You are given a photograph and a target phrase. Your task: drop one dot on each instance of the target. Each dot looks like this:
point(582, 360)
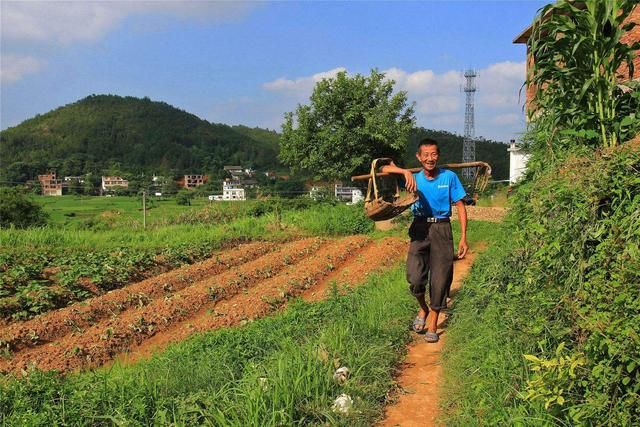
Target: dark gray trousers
point(430, 260)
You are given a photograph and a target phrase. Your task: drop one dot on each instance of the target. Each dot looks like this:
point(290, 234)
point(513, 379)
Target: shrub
point(18, 210)
point(557, 311)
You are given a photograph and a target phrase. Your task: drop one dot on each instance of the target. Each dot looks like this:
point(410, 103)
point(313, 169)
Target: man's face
point(428, 156)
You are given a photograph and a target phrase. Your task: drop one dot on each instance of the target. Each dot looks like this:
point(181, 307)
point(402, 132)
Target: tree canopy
point(350, 121)
point(18, 210)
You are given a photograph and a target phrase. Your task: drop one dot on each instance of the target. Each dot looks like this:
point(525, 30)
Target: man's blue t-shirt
point(436, 195)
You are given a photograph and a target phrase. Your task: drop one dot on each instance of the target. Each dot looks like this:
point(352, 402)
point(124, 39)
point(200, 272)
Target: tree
point(184, 197)
point(349, 122)
point(18, 210)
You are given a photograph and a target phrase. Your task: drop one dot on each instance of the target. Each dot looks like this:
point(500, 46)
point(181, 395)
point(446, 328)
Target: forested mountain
point(113, 135)
point(104, 134)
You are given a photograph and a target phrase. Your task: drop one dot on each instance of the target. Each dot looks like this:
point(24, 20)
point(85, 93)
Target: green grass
point(483, 363)
point(216, 378)
point(494, 198)
point(67, 210)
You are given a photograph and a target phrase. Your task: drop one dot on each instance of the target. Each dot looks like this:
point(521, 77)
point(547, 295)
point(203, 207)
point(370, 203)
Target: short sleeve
point(456, 190)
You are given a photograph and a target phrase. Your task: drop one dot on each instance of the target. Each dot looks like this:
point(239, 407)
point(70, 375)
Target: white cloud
point(302, 86)
point(438, 104)
point(508, 119)
point(439, 100)
point(499, 84)
point(425, 81)
point(66, 22)
point(14, 67)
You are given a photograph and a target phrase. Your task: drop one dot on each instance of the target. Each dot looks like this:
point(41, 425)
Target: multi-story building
point(348, 194)
point(110, 183)
point(192, 181)
point(51, 186)
point(231, 190)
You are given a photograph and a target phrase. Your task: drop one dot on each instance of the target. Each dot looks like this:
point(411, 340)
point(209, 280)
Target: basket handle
point(372, 178)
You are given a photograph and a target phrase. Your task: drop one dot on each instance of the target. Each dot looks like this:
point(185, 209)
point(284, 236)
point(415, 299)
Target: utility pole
point(469, 143)
point(144, 209)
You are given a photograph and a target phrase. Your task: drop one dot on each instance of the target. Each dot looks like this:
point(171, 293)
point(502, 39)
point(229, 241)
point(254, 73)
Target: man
point(431, 254)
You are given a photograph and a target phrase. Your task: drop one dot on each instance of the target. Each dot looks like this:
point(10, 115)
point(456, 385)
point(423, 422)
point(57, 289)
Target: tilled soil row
point(102, 341)
point(17, 336)
point(357, 268)
point(269, 295)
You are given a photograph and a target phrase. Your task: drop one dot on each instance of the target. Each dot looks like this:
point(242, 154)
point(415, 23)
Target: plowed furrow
point(100, 342)
point(372, 259)
point(265, 297)
point(80, 316)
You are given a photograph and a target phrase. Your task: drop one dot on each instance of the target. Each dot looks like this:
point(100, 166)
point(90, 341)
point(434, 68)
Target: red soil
point(76, 318)
point(239, 285)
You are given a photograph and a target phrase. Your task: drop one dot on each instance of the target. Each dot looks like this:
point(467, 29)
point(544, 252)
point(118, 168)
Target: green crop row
point(46, 268)
point(271, 372)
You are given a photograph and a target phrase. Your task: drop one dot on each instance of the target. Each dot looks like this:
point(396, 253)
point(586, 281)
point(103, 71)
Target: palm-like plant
point(579, 58)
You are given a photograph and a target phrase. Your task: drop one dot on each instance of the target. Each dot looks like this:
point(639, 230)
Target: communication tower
point(469, 143)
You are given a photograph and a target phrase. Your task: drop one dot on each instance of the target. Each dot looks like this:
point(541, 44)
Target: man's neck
point(430, 174)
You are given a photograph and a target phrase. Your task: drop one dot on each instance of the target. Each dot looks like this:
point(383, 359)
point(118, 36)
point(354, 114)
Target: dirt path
point(419, 381)
point(234, 286)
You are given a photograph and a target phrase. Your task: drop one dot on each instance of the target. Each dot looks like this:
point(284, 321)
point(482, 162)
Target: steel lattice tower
point(469, 143)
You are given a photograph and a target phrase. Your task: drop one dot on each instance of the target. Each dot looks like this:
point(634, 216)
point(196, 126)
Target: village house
point(51, 186)
point(349, 194)
point(192, 181)
point(79, 179)
point(110, 183)
point(231, 190)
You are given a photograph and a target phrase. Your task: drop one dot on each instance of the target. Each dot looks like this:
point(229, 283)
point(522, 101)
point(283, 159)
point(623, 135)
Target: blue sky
point(249, 63)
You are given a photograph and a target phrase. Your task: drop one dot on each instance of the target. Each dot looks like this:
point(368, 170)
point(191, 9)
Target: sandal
point(418, 324)
point(431, 337)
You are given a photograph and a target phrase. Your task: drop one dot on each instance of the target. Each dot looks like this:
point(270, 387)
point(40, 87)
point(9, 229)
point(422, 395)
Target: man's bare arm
point(409, 179)
point(463, 247)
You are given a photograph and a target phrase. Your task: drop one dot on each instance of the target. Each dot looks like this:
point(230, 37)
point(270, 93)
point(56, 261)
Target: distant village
point(233, 188)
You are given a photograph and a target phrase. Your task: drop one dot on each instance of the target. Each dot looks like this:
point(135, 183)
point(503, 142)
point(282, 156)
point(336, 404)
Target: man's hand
point(409, 181)
point(463, 248)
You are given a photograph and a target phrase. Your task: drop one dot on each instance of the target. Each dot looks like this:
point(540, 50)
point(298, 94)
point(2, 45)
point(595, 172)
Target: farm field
point(119, 210)
point(46, 268)
point(227, 287)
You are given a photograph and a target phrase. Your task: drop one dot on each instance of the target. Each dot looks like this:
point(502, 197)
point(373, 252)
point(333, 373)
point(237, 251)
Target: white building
point(350, 194)
point(517, 162)
point(111, 182)
point(231, 190)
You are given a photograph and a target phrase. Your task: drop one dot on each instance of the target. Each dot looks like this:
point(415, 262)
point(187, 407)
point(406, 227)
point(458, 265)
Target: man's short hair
point(428, 141)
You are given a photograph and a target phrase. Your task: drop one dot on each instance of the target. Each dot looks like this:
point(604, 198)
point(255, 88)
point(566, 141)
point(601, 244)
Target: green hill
point(107, 133)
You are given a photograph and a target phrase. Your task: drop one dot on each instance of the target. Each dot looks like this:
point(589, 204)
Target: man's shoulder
point(447, 174)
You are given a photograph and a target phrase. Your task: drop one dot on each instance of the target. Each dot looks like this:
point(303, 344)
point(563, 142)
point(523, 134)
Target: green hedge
point(561, 292)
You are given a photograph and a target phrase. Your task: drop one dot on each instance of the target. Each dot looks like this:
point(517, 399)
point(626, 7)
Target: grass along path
point(274, 371)
point(418, 392)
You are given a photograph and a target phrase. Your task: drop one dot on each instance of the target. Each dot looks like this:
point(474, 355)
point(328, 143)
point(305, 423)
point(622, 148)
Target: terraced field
point(230, 288)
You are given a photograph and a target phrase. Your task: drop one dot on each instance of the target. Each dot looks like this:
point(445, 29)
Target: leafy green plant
point(578, 57)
